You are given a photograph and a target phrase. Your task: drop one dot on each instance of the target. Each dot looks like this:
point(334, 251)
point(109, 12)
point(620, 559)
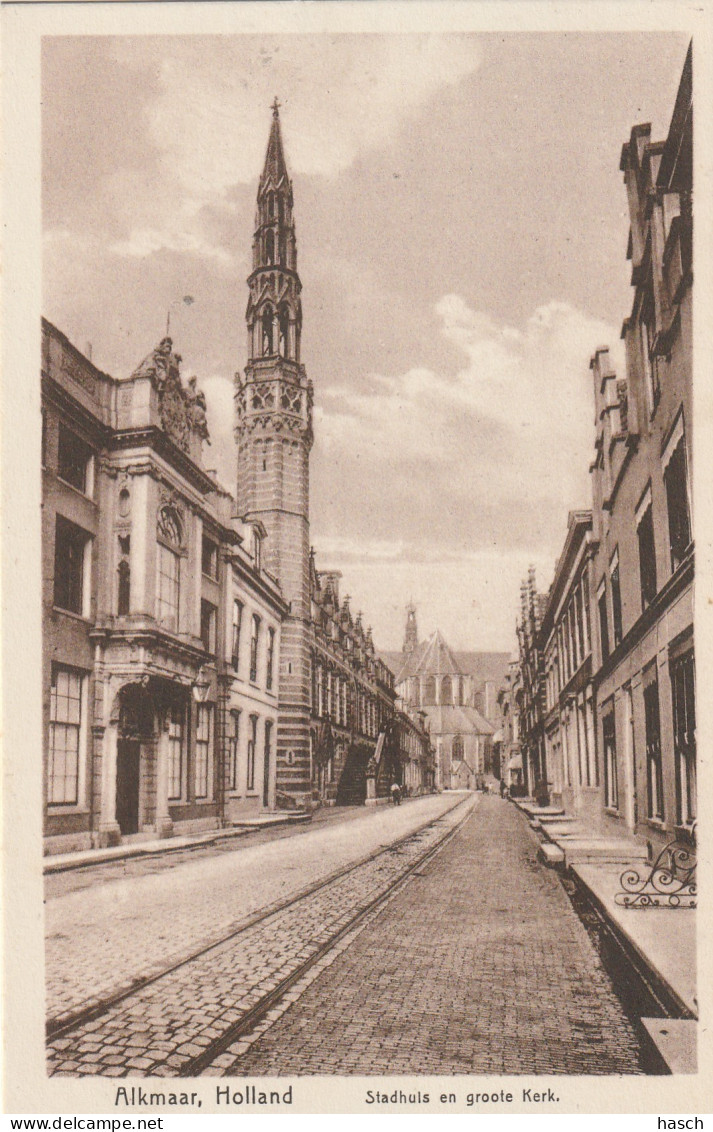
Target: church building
point(454, 691)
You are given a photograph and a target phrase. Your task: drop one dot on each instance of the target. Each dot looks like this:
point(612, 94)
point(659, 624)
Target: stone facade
point(151, 725)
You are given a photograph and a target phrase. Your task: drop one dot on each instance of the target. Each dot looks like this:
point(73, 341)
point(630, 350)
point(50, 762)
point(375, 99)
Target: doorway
point(128, 761)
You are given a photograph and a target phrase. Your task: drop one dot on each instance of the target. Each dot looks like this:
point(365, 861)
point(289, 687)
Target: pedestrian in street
point(395, 794)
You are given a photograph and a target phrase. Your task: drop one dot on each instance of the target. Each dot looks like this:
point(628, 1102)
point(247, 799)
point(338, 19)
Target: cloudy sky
point(461, 227)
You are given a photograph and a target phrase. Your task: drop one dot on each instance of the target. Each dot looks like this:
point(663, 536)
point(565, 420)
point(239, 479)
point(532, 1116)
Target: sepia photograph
point(367, 693)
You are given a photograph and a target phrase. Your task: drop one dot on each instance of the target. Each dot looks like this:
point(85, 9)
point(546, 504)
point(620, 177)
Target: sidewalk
point(85, 858)
point(61, 862)
point(662, 941)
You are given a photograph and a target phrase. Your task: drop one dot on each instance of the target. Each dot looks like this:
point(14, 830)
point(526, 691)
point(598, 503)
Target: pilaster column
point(109, 831)
point(164, 825)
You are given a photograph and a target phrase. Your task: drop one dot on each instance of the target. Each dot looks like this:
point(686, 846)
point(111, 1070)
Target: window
point(257, 548)
point(585, 601)
point(267, 331)
point(270, 658)
point(579, 613)
point(234, 751)
point(168, 568)
point(684, 737)
point(209, 558)
point(204, 749)
point(254, 642)
point(208, 621)
point(676, 483)
point(653, 388)
point(457, 749)
point(65, 736)
point(611, 778)
point(615, 597)
point(168, 588)
point(124, 588)
point(175, 753)
point(267, 754)
point(654, 770)
point(252, 742)
point(74, 459)
point(284, 331)
point(71, 567)
point(237, 623)
point(603, 620)
point(123, 603)
point(318, 689)
point(647, 550)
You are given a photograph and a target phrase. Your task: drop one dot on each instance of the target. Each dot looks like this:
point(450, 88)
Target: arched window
point(169, 536)
point(267, 331)
point(169, 526)
point(124, 596)
point(270, 247)
point(446, 690)
point(284, 331)
point(457, 748)
point(429, 690)
point(320, 686)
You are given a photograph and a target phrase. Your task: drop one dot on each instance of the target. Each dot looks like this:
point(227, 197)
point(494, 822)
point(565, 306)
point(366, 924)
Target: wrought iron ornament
point(670, 883)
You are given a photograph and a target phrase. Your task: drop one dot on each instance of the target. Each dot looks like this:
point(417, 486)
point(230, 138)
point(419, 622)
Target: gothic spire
point(275, 168)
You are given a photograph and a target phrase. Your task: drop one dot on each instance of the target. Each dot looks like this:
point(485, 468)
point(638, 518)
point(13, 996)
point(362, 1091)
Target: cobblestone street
point(477, 962)
point(478, 966)
point(102, 939)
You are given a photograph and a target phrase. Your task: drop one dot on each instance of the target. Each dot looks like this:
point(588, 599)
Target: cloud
point(516, 415)
point(146, 241)
point(210, 117)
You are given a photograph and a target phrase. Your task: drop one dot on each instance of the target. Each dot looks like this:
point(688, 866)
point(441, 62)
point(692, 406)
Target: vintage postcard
point(356, 460)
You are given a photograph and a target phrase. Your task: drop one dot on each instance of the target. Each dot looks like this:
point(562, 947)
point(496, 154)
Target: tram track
point(64, 1027)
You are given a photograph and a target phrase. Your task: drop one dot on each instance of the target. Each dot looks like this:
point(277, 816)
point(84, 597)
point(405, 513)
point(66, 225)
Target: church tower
point(274, 434)
point(411, 634)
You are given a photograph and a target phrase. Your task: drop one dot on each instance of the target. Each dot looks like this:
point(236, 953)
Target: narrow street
point(420, 939)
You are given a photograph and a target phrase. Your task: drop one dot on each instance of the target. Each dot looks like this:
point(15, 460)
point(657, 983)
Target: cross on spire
point(275, 108)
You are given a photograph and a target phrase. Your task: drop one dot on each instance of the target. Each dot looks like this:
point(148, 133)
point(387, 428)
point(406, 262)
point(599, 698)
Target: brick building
point(531, 688)
point(642, 502)
point(566, 641)
point(606, 661)
point(161, 625)
point(352, 701)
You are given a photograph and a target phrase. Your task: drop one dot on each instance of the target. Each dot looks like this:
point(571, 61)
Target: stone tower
point(411, 634)
point(274, 435)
